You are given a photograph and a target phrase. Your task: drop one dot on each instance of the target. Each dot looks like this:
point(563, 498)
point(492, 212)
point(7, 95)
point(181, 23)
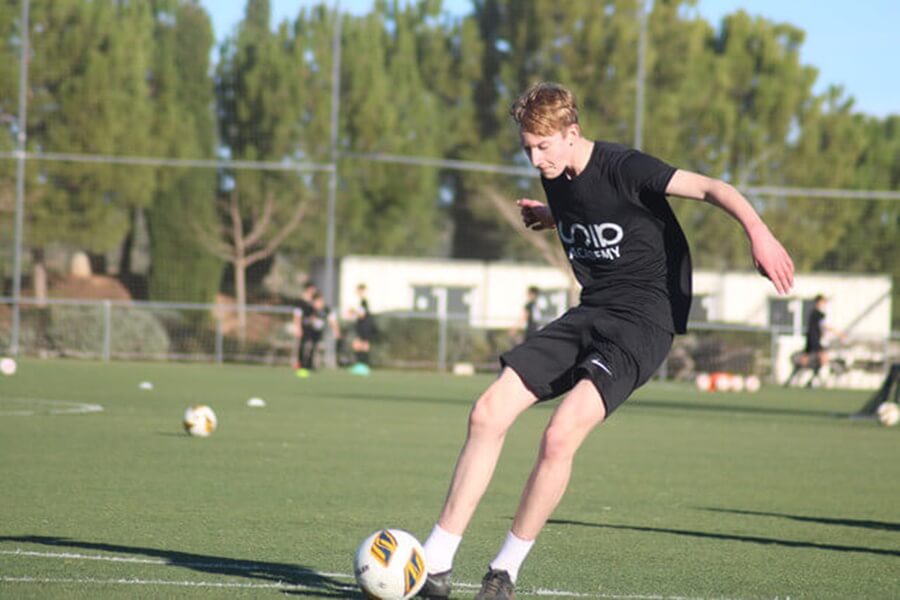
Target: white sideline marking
point(210, 584)
point(66, 407)
point(236, 565)
point(248, 565)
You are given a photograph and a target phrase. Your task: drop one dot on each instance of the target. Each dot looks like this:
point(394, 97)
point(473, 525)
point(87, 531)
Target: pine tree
point(258, 120)
point(182, 269)
point(88, 95)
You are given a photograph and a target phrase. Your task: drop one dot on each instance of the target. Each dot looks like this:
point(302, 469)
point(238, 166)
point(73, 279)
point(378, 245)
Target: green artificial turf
point(680, 495)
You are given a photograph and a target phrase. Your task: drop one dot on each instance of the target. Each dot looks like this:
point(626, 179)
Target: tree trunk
point(127, 245)
point(240, 292)
point(39, 276)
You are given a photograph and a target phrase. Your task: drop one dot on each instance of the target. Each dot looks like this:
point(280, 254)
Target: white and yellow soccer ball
point(390, 565)
point(199, 420)
point(889, 413)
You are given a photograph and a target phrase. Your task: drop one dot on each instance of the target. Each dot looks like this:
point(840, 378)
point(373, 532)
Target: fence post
point(441, 294)
point(107, 329)
point(773, 354)
point(220, 336)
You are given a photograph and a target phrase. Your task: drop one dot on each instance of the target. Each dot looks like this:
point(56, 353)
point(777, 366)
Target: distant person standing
point(529, 321)
point(364, 328)
point(815, 353)
point(302, 306)
point(317, 318)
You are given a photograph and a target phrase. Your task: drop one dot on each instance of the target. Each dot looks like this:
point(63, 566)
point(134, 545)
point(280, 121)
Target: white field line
point(57, 407)
point(249, 565)
point(200, 584)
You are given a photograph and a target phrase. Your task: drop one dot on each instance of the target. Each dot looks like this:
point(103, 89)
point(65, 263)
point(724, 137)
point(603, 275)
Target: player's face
point(550, 154)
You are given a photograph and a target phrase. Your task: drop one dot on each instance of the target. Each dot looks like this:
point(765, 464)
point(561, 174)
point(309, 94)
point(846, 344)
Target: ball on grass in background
point(888, 413)
point(390, 565)
point(752, 383)
point(720, 381)
point(702, 381)
point(199, 420)
point(8, 366)
point(738, 383)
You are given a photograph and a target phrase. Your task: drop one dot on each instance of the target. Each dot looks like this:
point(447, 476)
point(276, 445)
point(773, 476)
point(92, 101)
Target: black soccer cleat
point(437, 586)
point(496, 585)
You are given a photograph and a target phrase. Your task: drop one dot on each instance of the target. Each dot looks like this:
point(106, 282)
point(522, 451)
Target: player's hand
point(536, 215)
point(771, 259)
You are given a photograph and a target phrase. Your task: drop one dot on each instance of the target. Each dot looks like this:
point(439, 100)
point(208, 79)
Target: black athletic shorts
point(813, 345)
point(617, 355)
point(364, 329)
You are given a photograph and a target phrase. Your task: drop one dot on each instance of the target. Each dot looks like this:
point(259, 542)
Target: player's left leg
point(575, 417)
point(314, 353)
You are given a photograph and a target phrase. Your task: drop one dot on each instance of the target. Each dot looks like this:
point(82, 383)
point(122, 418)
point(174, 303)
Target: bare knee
point(499, 406)
point(558, 443)
point(486, 416)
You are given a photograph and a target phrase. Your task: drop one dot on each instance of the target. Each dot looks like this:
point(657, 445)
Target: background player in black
point(608, 205)
point(815, 354)
point(365, 329)
point(315, 320)
point(529, 321)
point(302, 306)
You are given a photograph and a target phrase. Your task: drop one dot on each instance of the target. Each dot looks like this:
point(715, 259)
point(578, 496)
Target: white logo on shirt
point(593, 241)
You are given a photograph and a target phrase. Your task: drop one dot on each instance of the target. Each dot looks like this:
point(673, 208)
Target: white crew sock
point(440, 548)
point(512, 554)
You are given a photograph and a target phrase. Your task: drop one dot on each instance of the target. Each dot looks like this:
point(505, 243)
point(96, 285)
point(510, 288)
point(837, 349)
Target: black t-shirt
point(532, 319)
point(814, 330)
point(314, 321)
point(625, 246)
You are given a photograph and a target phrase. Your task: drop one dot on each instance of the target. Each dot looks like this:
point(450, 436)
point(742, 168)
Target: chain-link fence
point(126, 330)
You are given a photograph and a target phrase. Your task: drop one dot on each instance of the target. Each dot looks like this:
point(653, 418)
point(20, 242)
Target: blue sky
point(855, 45)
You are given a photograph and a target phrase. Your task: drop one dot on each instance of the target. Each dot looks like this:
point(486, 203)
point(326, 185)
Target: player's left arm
point(335, 327)
point(769, 256)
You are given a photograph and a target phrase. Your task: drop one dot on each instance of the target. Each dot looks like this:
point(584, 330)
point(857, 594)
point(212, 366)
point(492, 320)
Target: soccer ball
point(199, 420)
point(888, 413)
point(390, 565)
point(720, 381)
point(752, 383)
point(702, 381)
point(8, 366)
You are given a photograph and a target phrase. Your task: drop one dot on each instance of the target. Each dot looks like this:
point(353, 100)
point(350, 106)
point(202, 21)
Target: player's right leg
point(489, 421)
point(491, 417)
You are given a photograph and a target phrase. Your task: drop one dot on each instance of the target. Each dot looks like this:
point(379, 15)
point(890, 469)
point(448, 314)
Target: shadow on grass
point(633, 404)
point(295, 579)
point(859, 523)
point(734, 408)
point(386, 397)
point(750, 539)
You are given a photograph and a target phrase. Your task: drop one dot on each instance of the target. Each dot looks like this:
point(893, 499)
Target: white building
point(492, 294)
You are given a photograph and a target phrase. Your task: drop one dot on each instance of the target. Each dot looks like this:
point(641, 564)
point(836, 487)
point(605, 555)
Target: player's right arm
point(535, 215)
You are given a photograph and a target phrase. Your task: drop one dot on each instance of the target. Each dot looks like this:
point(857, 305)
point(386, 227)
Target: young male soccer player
point(315, 320)
point(815, 355)
point(302, 307)
point(529, 322)
point(364, 328)
point(608, 205)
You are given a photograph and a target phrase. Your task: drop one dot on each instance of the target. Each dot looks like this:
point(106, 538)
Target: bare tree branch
point(551, 252)
point(261, 223)
point(278, 238)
